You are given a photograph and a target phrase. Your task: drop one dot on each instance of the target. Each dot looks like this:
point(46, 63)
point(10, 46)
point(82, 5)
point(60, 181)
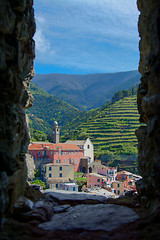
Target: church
point(71, 152)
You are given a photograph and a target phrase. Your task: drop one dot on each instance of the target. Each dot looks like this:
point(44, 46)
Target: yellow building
point(54, 174)
point(118, 187)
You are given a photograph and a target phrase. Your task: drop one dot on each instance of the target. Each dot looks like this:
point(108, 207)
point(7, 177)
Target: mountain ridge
point(86, 91)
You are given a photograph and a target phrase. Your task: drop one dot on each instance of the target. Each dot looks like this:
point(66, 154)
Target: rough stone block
point(18, 5)
point(7, 17)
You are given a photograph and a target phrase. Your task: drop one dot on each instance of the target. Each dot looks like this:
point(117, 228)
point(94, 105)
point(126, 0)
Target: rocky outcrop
point(91, 218)
point(17, 27)
point(30, 167)
point(149, 104)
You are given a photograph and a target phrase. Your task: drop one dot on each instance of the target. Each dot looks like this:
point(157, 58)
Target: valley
point(88, 91)
point(110, 127)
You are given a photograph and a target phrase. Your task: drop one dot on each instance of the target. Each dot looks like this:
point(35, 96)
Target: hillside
point(111, 128)
point(46, 109)
point(86, 91)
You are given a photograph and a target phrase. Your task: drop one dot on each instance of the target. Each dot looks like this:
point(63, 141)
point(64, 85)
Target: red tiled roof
point(53, 146)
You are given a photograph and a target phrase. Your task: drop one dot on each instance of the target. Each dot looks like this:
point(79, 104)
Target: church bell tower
point(55, 132)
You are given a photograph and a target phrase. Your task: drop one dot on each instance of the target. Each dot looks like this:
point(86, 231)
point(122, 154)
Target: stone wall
point(17, 27)
point(149, 103)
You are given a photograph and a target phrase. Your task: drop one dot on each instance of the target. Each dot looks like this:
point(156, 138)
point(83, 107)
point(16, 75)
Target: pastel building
point(118, 187)
point(60, 153)
point(55, 174)
point(94, 179)
point(72, 187)
point(127, 178)
point(110, 172)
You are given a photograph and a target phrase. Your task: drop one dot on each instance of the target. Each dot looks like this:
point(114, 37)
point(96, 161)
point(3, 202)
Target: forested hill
point(45, 110)
point(86, 91)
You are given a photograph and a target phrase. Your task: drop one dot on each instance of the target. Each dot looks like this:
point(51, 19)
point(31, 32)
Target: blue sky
point(86, 36)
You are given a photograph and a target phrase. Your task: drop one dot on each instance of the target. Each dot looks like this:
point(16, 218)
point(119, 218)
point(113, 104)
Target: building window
point(115, 191)
point(60, 168)
point(118, 192)
point(68, 160)
point(45, 153)
point(98, 180)
point(69, 152)
point(56, 185)
point(78, 152)
point(51, 152)
point(55, 153)
point(73, 152)
point(118, 185)
point(50, 168)
point(57, 161)
point(64, 160)
point(50, 175)
point(71, 160)
point(88, 146)
point(45, 169)
point(74, 189)
point(60, 175)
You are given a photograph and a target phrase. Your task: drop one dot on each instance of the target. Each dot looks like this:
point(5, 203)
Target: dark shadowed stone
point(7, 17)
point(98, 217)
point(25, 210)
point(3, 192)
point(75, 198)
point(18, 5)
point(61, 208)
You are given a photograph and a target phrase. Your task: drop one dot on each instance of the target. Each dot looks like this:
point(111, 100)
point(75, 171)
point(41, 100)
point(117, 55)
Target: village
point(59, 165)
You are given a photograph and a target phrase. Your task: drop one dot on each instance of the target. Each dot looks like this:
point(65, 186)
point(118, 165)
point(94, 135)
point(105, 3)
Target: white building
point(87, 145)
point(73, 187)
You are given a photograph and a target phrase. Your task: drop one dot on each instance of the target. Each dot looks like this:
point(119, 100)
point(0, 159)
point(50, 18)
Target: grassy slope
point(112, 128)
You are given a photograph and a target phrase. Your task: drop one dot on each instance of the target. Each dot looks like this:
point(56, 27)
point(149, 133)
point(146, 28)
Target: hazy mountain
point(86, 91)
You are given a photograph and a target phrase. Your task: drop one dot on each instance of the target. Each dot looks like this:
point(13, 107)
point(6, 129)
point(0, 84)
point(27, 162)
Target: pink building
point(110, 172)
point(127, 178)
point(57, 153)
point(94, 179)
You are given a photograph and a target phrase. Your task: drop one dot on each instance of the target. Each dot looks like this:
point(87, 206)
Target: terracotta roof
point(97, 175)
point(56, 164)
point(53, 146)
point(124, 172)
point(57, 180)
point(77, 142)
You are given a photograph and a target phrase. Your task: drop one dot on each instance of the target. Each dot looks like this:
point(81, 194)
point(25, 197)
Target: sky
point(86, 36)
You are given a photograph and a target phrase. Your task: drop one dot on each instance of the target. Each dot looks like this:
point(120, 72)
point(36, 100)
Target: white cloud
point(67, 28)
point(43, 44)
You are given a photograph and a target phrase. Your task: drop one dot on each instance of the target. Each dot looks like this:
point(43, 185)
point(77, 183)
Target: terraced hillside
point(112, 130)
